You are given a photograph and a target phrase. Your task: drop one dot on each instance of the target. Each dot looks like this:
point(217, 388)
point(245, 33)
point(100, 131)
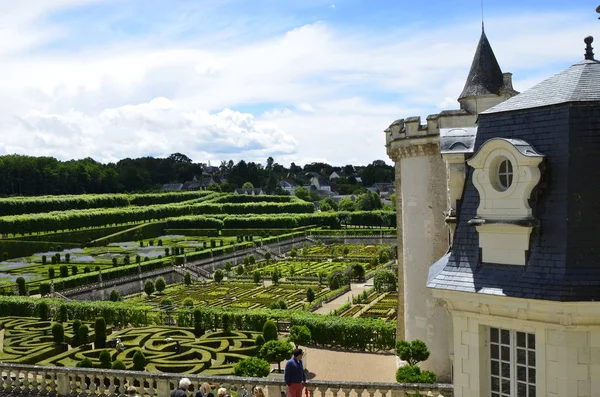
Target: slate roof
point(579, 83)
point(563, 262)
point(485, 76)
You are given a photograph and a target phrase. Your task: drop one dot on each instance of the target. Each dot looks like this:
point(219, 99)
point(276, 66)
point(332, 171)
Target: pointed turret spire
point(485, 76)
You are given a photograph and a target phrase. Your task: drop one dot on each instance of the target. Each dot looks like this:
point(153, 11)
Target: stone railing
point(79, 382)
point(117, 281)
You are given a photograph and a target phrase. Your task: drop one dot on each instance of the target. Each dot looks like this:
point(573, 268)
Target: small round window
point(505, 174)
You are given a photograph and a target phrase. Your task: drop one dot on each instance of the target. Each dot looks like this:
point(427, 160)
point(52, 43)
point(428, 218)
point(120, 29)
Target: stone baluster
point(33, 382)
point(25, 382)
point(72, 381)
point(151, 391)
point(346, 391)
point(311, 389)
point(121, 389)
point(102, 388)
point(111, 387)
point(398, 393)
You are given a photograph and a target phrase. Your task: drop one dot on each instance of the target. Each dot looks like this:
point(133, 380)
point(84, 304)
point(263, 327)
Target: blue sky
point(301, 81)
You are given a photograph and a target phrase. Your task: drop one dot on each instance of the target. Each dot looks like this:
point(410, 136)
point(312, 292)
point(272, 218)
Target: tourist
point(259, 392)
point(184, 385)
point(204, 391)
point(132, 391)
point(294, 374)
point(177, 347)
point(222, 392)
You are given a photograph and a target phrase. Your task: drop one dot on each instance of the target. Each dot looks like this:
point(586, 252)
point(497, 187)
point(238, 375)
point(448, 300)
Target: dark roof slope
point(579, 83)
point(485, 76)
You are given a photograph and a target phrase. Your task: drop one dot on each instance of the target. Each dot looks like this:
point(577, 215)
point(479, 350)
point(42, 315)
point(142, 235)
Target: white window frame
point(512, 362)
point(509, 175)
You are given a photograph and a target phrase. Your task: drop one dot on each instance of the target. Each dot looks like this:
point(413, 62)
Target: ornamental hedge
point(31, 205)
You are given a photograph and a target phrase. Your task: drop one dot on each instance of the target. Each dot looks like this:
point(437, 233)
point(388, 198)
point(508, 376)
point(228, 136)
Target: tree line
point(22, 175)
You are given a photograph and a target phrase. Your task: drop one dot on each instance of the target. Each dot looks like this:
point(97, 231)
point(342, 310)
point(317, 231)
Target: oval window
point(505, 174)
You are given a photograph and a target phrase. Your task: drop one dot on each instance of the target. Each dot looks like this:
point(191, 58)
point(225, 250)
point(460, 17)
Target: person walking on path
point(182, 391)
point(294, 376)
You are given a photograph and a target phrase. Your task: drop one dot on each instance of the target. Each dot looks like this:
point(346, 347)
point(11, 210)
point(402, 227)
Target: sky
point(297, 80)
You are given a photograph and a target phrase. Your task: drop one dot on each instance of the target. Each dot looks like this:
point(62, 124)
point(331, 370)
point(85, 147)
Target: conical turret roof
point(485, 76)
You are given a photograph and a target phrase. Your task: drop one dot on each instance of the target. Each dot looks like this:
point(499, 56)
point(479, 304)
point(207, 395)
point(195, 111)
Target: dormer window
point(505, 174)
point(506, 171)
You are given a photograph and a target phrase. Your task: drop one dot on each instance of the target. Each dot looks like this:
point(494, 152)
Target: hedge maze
point(29, 341)
point(237, 295)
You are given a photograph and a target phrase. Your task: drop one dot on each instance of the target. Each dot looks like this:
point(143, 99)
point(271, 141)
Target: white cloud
point(332, 92)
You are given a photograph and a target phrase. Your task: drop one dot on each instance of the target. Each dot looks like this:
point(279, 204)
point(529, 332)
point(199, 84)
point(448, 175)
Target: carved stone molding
point(397, 153)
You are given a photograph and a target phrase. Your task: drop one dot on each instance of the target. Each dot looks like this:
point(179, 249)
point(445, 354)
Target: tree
point(346, 204)
point(187, 278)
point(302, 193)
point(275, 351)
point(188, 302)
point(300, 335)
point(160, 285)
point(21, 288)
point(218, 276)
point(63, 313)
point(275, 274)
point(337, 279)
point(259, 341)
point(270, 330)
point(105, 359)
point(239, 269)
point(51, 272)
point(100, 333)
point(346, 251)
point(44, 288)
point(227, 267)
point(139, 361)
point(257, 276)
point(252, 367)
point(385, 280)
point(413, 353)
point(267, 256)
point(384, 256)
point(115, 296)
point(85, 363)
point(358, 271)
point(64, 271)
point(149, 287)
point(310, 295)
point(247, 185)
point(58, 333)
point(84, 334)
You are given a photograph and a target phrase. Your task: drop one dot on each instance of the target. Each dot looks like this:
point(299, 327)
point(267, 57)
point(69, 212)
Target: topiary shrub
point(83, 334)
point(218, 275)
point(21, 288)
point(64, 271)
point(413, 374)
point(63, 313)
point(115, 263)
point(259, 341)
point(310, 295)
point(44, 288)
point(198, 325)
point(139, 361)
point(44, 260)
point(58, 333)
point(226, 321)
point(75, 327)
point(85, 363)
point(43, 311)
point(118, 365)
point(50, 272)
point(188, 302)
point(257, 276)
point(413, 353)
point(115, 296)
point(149, 287)
point(100, 333)
point(105, 359)
point(87, 269)
point(74, 270)
point(159, 242)
point(138, 259)
point(160, 285)
point(252, 367)
point(187, 278)
point(270, 330)
point(68, 258)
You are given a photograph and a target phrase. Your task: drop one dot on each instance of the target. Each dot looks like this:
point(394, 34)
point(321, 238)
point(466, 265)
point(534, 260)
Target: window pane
point(531, 375)
point(505, 336)
point(508, 166)
point(495, 384)
point(506, 370)
point(510, 178)
point(531, 358)
point(506, 386)
point(494, 335)
point(521, 356)
point(531, 391)
point(503, 180)
point(521, 339)
point(495, 352)
point(505, 353)
point(495, 395)
point(502, 168)
point(495, 368)
point(521, 390)
point(522, 373)
point(531, 341)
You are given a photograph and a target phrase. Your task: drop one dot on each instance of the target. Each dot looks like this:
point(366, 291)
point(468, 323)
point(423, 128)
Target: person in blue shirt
point(294, 374)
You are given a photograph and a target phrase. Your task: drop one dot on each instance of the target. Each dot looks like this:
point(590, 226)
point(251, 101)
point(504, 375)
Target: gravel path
point(347, 297)
point(327, 364)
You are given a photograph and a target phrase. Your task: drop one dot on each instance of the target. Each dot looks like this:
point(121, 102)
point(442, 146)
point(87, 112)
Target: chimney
point(507, 79)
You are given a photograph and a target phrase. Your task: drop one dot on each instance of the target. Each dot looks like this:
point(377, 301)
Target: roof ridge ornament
point(589, 54)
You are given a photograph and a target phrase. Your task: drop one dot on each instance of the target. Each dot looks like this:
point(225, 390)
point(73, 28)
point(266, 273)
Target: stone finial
point(589, 54)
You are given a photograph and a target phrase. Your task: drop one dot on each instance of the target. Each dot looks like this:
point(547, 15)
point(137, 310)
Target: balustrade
point(86, 382)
